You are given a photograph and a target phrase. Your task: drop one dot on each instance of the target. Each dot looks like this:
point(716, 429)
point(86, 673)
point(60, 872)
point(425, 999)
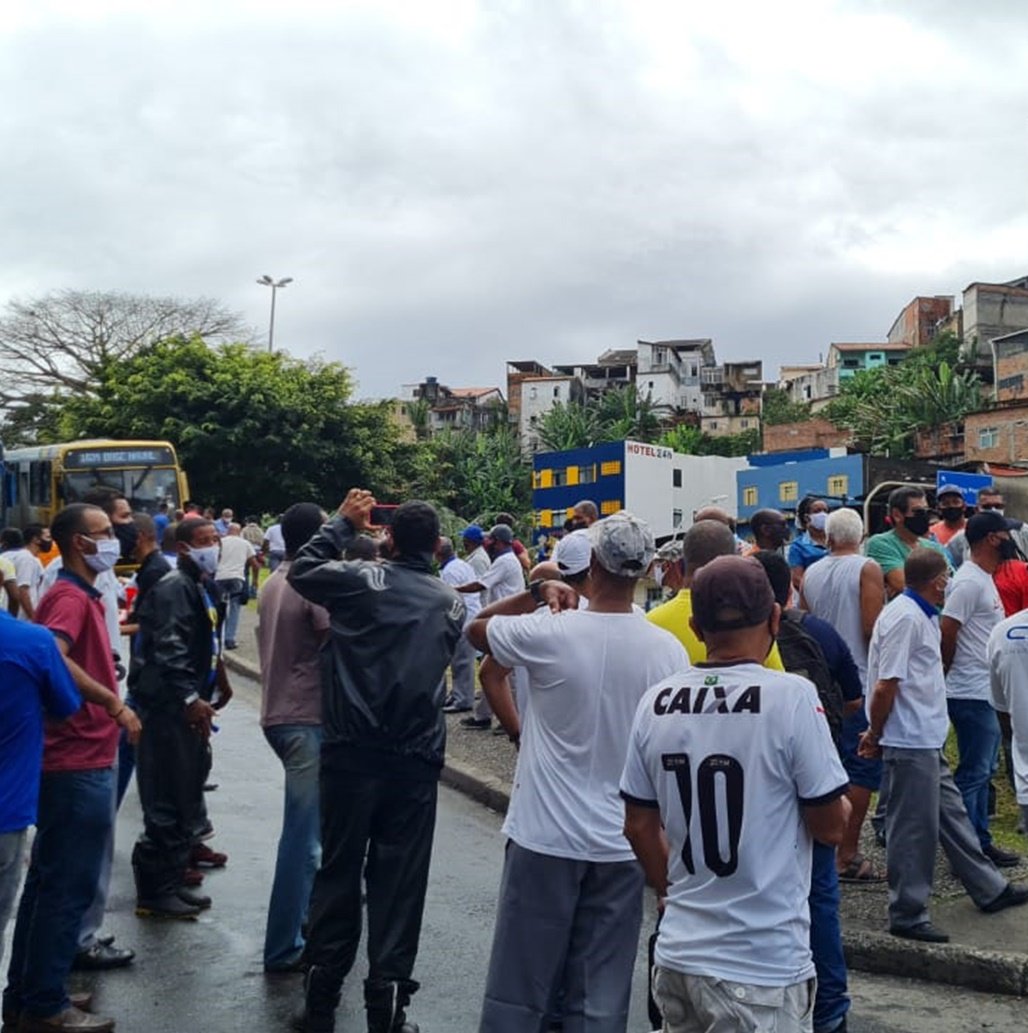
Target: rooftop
point(884, 346)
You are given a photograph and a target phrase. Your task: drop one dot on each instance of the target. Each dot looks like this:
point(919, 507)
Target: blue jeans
point(832, 1002)
point(71, 831)
point(235, 591)
point(978, 736)
point(299, 846)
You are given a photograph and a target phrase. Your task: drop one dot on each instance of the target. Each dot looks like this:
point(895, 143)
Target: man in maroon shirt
point(77, 783)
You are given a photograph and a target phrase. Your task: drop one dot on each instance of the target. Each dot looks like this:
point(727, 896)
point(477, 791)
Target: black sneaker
point(102, 955)
point(455, 708)
point(478, 723)
point(1001, 858)
point(925, 932)
point(1014, 895)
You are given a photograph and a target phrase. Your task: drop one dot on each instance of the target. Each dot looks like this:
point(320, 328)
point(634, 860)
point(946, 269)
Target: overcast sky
point(453, 184)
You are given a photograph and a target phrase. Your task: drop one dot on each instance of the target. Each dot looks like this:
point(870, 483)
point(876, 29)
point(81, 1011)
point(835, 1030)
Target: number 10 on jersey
point(717, 767)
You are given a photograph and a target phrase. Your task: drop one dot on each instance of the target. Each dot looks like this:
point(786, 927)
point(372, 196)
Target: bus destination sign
point(88, 459)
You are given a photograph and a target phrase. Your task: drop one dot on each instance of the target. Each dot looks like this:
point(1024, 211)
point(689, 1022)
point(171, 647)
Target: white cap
point(573, 553)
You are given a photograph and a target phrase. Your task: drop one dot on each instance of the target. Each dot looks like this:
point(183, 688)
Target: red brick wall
point(943, 442)
point(1012, 377)
point(787, 437)
point(1008, 445)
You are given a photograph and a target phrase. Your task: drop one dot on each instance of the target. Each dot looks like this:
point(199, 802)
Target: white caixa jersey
point(730, 754)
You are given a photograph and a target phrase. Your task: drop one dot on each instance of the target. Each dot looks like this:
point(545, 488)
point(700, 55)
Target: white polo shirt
point(972, 599)
point(504, 577)
point(730, 754)
point(587, 672)
point(1008, 671)
point(905, 645)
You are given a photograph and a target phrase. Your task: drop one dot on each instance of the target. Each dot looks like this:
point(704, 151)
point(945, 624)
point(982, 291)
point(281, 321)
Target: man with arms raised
point(731, 774)
point(571, 891)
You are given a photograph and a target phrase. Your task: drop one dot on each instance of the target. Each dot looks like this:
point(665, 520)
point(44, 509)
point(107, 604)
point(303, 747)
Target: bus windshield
point(144, 488)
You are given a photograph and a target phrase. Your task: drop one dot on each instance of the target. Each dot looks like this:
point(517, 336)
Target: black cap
point(983, 524)
point(731, 592)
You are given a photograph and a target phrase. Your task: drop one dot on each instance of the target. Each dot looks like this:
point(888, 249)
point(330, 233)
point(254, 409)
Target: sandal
point(860, 869)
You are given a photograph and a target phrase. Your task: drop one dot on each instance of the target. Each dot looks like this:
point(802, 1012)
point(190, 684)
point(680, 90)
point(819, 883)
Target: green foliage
point(253, 430)
point(475, 475)
point(618, 414)
point(692, 441)
point(885, 407)
point(778, 408)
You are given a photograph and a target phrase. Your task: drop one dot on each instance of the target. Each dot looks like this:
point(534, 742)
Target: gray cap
point(671, 551)
point(623, 544)
point(502, 533)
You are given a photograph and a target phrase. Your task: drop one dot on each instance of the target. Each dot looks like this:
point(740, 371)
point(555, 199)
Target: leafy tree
point(68, 340)
point(254, 430)
point(570, 425)
point(692, 441)
point(624, 413)
point(778, 408)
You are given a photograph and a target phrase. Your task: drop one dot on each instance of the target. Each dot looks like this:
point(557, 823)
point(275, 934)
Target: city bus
point(39, 480)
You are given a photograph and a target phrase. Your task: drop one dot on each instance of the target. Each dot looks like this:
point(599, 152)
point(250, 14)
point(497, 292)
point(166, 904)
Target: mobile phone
point(382, 516)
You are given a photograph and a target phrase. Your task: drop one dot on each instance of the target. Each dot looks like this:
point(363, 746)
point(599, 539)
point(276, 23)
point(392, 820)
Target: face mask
point(658, 575)
point(952, 514)
point(128, 536)
point(1007, 549)
point(994, 509)
point(916, 523)
point(46, 546)
point(206, 559)
point(108, 552)
point(779, 534)
point(818, 521)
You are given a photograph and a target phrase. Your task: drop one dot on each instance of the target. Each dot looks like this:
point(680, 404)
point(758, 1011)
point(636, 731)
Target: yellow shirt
point(674, 616)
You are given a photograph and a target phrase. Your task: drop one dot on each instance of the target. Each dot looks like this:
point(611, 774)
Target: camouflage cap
point(623, 544)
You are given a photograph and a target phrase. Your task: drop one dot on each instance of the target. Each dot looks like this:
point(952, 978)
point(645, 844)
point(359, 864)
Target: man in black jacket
point(180, 668)
point(394, 629)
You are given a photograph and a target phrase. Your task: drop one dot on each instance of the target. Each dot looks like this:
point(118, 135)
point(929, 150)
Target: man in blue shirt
point(36, 680)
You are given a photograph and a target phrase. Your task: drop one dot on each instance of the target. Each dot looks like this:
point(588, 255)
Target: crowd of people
point(724, 748)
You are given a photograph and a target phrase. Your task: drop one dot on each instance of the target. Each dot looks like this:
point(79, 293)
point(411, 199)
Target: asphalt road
point(207, 975)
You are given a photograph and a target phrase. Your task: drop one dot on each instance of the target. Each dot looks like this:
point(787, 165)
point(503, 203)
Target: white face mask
point(108, 552)
point(818, 521)
point(206, 558)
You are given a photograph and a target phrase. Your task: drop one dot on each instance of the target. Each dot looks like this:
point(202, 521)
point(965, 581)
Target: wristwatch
point(535, 588)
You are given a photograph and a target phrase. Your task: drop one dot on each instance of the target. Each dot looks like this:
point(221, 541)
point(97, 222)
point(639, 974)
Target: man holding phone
point(394, 627)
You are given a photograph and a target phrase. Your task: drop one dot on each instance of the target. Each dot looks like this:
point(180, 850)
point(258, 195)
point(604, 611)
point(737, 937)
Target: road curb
point(988, 971)
point(995, 972)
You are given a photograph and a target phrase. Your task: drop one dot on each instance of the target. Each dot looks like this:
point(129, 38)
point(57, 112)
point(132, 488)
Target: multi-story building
point(849, 359)
point(659, 485)
point(449, 408)
point(990, 311)
point(814, 385)
point(532, 391)
point(732, 395)
point(920, 320)
point(669, 372)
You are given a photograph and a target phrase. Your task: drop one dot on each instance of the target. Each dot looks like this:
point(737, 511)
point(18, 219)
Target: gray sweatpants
point(926, 809)
point(462, 671)
point(563, 925)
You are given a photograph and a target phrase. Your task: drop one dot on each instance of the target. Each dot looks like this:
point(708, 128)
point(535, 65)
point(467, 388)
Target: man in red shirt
point(74, 814)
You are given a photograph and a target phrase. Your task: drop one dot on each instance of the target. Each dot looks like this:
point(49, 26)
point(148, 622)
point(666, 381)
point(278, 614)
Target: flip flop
point(860, 869)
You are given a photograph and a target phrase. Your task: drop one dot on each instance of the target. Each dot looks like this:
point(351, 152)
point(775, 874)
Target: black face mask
point(1007, 549)
point(952, 514)
point(916, 523)
point(128, 535)
point(45, 545)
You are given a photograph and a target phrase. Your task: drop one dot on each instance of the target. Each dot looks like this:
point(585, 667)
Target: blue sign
point(969, 483)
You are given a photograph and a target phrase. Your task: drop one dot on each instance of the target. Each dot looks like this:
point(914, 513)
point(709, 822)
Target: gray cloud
point(521, 179)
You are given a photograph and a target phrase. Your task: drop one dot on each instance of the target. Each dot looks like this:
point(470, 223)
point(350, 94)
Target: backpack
point(801, 654)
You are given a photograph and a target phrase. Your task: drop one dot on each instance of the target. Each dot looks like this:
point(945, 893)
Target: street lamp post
point(267, 281)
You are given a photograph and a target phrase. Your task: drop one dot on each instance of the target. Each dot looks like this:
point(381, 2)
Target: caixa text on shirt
point(706, 699)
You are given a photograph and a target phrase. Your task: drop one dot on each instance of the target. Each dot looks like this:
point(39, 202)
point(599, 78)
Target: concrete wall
point(1012, 369)
point(992, 310)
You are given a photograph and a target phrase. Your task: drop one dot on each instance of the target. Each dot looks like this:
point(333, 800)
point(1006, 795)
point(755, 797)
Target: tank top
point(831, 588)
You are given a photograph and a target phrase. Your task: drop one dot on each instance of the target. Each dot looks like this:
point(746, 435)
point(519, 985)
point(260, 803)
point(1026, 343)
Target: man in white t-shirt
point(571, 891)
point(908, 727)
point(28, 571)
point(274, 546)
point(973, 608)
point(236, 558)
point(731, 774)
point(1008, 670)
point(503, 578)
point(455, 571)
